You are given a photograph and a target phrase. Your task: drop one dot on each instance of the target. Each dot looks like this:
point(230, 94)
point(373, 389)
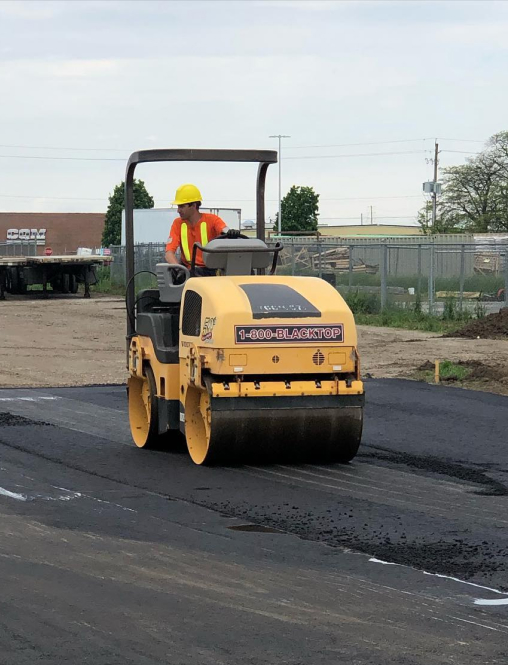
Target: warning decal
point(273, 334)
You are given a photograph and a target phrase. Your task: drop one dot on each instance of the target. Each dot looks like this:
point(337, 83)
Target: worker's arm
point(173, 242)
point(171, 257)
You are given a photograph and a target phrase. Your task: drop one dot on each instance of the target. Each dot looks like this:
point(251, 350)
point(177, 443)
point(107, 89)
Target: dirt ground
point(70, 341)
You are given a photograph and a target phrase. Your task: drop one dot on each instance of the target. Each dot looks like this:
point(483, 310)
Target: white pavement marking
point(28, 399)
point(12, 495)
point(454, 579)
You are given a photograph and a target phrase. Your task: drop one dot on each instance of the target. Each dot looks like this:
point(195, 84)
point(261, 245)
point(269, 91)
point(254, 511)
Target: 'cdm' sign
point(17, 235)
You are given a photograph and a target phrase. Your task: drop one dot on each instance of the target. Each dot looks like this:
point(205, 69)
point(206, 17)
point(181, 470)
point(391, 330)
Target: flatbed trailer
point(62, 273)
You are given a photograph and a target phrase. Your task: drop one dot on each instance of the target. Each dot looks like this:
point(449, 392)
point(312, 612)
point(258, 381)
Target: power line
point(463, 152)
point(84, 198)
point(300, 147)
point(347, 145)
point(48, 147)
point(48, 198)
point(77, 159)
point(440, 138)
point(375, 217)
point(364, 154)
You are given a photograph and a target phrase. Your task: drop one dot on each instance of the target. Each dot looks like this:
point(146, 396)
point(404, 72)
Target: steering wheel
point(224, 236)
point(179, 274)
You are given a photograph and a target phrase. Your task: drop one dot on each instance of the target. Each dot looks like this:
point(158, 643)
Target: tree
point(442, 225)
point(475, 194)
point(112, 234)
point(299, 209)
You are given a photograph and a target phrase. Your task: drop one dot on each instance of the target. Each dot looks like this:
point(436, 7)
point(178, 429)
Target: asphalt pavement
point(110, 554)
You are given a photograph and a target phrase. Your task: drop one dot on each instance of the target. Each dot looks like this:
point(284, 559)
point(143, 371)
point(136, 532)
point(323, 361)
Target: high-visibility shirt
point(185, 235)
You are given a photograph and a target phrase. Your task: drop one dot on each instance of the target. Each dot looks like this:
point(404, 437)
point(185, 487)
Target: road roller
point(246, 365)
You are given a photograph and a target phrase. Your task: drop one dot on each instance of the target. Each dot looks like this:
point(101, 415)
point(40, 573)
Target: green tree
point(299, 210)
point(442, 225)
point(112, 234)
point(475, 194)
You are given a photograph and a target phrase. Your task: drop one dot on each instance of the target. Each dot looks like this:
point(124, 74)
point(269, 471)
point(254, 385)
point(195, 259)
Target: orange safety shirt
point(184, 235)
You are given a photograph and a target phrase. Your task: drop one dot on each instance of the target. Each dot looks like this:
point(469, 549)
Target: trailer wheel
point(73, 284)
point(17, 283)
point(65, 283)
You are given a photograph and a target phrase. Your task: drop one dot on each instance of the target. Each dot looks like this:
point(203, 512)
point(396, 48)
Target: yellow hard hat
point(187, 194)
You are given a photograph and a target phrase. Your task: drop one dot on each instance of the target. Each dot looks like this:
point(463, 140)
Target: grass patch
point(108, 286)
point(407, 319)
point(449, 372)
point(366, 308)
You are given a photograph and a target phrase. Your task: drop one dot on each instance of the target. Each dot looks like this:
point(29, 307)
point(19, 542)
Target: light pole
point(280, 137)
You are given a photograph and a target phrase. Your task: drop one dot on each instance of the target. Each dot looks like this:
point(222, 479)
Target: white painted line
point(27, 399)
point(501, 601)
point(447, 577)
point(456, 579)
point(12, 495)
point(385, 563)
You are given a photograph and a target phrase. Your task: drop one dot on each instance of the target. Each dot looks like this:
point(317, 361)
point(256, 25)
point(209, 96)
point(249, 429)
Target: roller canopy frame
point(262, 157)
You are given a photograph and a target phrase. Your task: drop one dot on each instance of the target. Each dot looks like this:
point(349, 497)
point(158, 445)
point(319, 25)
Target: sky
point(362, 88)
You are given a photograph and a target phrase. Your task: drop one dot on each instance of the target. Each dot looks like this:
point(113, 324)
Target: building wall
point(65, 231)
point(372, 230)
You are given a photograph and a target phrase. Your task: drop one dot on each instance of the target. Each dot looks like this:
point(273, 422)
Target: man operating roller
point(191, 227)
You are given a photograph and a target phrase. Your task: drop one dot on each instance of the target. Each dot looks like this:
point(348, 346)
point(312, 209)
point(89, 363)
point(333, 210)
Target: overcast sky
point(98, 80)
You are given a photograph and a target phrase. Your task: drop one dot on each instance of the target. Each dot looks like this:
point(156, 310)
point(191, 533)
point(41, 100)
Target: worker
point(193, 226)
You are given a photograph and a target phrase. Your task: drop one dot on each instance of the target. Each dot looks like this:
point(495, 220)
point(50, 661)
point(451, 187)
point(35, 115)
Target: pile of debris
point(493, 326)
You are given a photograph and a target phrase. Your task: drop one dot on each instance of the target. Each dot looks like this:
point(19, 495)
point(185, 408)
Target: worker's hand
point(233, 234)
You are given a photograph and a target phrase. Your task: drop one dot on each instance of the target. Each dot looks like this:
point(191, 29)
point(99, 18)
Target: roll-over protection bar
point(263, 157)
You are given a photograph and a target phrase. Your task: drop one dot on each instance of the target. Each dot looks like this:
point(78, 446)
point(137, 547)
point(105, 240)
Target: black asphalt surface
point(109, 554)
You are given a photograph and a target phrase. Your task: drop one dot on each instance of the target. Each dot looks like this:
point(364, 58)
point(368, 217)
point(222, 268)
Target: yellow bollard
point(436, 371)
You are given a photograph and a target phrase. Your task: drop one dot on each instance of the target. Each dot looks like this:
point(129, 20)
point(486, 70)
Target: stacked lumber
point(338, 259)
point(487, 263)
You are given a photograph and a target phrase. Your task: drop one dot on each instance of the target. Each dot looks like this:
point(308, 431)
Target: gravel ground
point(70, 341)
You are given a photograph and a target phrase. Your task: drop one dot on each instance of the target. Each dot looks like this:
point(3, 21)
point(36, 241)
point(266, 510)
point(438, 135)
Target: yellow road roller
point(246, 365)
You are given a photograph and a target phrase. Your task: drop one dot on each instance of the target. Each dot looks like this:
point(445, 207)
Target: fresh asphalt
point(110, 554)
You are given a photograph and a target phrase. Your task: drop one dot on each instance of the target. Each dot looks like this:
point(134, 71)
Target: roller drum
point(239, 430)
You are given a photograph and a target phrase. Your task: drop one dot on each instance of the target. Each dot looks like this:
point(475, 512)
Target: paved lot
point(109, 554)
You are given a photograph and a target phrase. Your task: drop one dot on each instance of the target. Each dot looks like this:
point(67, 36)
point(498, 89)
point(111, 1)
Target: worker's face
point(185, 210)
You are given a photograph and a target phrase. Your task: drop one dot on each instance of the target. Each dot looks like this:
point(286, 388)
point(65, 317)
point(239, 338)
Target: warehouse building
point(63, 232)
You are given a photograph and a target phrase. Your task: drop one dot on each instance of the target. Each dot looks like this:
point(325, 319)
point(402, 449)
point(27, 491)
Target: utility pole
point(280, 137)
point(434, 193)
point(371, 215)
point(361, 219)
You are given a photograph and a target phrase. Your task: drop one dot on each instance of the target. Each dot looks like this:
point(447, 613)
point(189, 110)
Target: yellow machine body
point(267, 368)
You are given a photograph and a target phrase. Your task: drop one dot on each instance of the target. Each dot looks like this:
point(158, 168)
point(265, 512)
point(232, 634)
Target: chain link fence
point(393, 272)
point(21, 248)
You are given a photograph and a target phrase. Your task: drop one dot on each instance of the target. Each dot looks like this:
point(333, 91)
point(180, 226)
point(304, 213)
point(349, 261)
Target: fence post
point(351, 247)
point(419, 282)
point(431, 278)
point(506, 276)
point(384, 264)
point(320, 251)
point(293, 256)
point(462, 274)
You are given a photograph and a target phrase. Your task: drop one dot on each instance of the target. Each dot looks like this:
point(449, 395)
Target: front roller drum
point(238, 430)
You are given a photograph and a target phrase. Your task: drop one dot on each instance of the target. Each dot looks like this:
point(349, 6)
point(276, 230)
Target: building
point(370, 230)
point(63, 232)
